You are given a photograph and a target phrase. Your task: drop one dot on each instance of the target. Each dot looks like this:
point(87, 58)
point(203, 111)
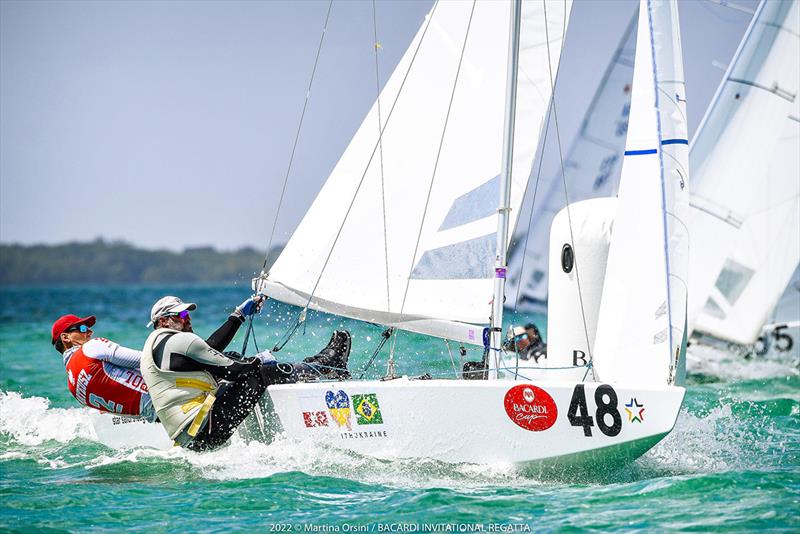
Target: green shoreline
point(118, 262)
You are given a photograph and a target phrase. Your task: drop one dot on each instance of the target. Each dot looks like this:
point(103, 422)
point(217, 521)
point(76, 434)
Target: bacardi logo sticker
point(530, 407)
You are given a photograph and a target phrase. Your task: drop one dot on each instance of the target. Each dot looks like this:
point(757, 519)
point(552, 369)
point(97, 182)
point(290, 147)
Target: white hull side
point(125, 432)
point(467, 421)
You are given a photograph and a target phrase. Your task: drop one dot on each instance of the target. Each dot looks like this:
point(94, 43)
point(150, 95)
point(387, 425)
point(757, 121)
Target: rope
point(380, 148)
point(297, 135)
point(433, 175)
point(372, 155)
point(436, 163)
point(452, 360)
point(533, 203)
point(384, 338)
point(564, 177)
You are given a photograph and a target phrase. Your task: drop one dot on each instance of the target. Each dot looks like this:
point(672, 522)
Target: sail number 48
point(605, 398)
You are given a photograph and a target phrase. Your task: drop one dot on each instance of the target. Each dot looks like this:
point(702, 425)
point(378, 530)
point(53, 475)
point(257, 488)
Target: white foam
point(712, 361)
point(31, 421)
point(716, 442)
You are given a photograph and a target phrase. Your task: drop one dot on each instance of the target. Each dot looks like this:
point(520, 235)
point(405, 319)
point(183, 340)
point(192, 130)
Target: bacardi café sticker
point(530, 407)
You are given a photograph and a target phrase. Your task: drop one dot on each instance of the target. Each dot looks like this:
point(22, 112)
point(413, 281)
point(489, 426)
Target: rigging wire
point(533, 203)
point(297, 135)
point(433, 175)
point(564, 180)
point(301, 314)
point(380, 149)
point(372, 155)
point(289, 166)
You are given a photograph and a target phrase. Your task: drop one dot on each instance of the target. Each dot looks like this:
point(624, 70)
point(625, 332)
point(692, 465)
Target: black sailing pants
point(237, 399)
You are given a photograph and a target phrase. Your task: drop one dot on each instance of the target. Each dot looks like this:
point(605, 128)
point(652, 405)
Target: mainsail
point(404, 230)
point(746, 188)
point(642, 319)
point(591, 169)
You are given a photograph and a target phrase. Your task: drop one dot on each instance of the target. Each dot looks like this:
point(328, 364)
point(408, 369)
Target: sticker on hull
point(339, 407)
point(530, 407)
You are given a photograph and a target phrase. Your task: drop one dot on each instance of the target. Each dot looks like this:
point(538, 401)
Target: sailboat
point(746, 190)
point(411, 231)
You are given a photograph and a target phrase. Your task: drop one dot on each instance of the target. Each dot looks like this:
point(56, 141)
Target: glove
point(251, 305)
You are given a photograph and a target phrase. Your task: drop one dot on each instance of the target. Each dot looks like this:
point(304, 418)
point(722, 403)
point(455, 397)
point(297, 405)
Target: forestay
point(591, 169)
point(746, 188)
point(404, 233)
point(643, 309)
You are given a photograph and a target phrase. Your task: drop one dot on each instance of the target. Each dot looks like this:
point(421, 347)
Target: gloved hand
point(251, 305)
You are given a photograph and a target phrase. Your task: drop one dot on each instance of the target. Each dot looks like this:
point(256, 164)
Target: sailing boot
point(332, 360)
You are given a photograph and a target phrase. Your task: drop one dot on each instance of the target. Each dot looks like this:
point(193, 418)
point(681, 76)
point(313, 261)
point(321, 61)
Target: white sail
point(406, 232)
point(591, 168)
point(643, 309)
point(746, 188)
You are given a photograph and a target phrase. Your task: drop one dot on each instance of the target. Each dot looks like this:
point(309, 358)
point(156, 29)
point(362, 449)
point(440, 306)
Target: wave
point(31, 421)
point(706, 363)
point(733, 435)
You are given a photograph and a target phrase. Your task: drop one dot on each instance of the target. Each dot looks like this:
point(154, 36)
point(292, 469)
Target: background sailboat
point(746, 190)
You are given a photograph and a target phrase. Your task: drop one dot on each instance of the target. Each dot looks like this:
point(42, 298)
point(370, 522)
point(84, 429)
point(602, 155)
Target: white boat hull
point(480, 421)
point(127, 432)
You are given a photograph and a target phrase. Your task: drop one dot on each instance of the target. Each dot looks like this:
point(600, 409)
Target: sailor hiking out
point(200, 394)
point(101, 374)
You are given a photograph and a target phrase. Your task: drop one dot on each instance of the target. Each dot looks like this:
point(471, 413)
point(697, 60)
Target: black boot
point(332, 360)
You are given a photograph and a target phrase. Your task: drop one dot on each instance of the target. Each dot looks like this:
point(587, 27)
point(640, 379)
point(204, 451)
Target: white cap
point(167, 305)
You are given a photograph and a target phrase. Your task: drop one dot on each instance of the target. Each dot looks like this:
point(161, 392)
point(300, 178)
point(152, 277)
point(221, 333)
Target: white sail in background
point(591, 168)
point(746, 192)
point(643, 308)
point(421, 216)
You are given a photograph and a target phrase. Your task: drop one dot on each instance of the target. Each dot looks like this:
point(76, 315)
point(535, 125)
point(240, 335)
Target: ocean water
point(732, 463)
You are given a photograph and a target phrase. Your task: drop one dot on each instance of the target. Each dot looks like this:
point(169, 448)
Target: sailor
point(104, 375)
point(528, 343)
point(100, 373)
point(200, 394)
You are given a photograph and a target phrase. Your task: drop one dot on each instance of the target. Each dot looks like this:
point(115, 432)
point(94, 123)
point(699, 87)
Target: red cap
point(66, 321)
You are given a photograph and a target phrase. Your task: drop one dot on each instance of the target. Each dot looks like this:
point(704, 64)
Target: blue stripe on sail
point(640, 152)
point(653, 150)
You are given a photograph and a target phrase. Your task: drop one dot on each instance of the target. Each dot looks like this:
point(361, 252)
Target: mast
point(505, 192)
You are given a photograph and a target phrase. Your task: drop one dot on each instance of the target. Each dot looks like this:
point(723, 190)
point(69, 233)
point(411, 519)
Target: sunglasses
point(520, 337)
point(82, 328)
point(183, 315)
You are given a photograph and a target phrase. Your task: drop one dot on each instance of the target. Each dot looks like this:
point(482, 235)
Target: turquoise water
point(732, 462)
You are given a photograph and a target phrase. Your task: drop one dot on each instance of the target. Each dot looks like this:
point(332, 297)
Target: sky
point(171, 124)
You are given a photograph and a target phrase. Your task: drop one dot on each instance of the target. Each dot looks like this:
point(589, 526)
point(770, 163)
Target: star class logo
point(367, 409)
point(530, 407)
point(635, 411)
point(339, 407)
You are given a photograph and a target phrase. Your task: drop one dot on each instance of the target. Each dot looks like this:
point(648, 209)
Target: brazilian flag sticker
point(367, 409)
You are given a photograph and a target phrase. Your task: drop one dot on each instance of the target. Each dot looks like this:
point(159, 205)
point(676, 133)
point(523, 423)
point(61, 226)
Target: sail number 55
point(605, 398)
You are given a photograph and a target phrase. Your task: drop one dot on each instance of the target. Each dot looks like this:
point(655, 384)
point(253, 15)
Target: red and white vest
point(100, 384)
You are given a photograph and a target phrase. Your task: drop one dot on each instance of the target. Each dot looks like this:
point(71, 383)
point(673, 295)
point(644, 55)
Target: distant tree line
point(101, 262)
